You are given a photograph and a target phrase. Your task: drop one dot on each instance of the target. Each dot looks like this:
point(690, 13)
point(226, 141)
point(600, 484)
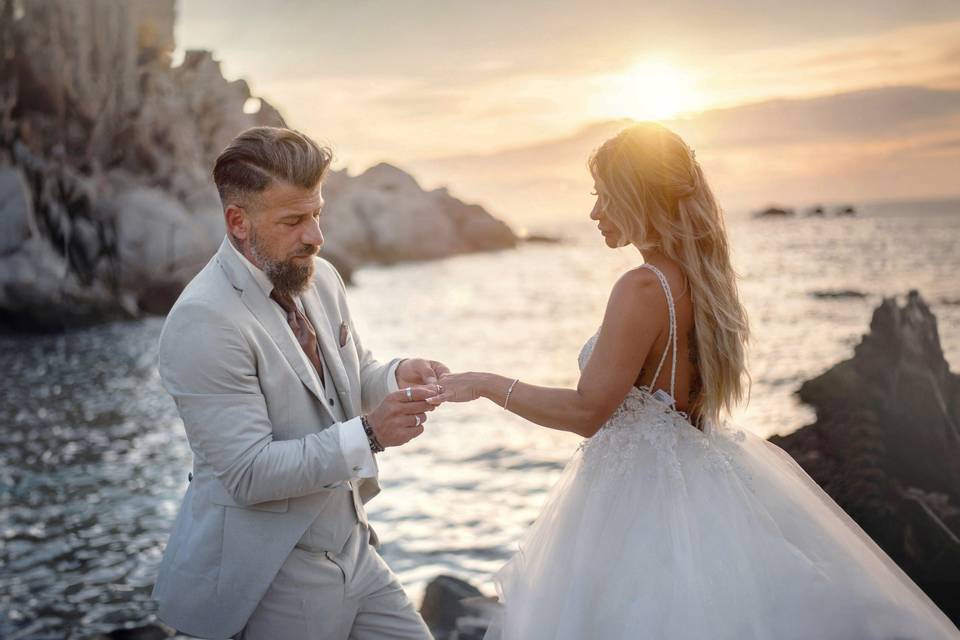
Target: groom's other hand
point(401, 416)
point(417, 371)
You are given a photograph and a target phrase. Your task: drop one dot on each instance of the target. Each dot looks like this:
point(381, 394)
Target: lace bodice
point(639, 403)
point(644, 419)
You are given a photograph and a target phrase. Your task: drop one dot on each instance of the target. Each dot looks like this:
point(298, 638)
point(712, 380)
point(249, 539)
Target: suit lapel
point(329, 346)
point(270, 319)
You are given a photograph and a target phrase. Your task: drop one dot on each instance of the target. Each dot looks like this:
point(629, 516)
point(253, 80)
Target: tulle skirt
point(658, 530)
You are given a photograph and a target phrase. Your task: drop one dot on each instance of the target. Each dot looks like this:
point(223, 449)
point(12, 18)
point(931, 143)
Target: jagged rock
point(774, 212)
point(886, 445)
point(837, 293)
point(540, 238)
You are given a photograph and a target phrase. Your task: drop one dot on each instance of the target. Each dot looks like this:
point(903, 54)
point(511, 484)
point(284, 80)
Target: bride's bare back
point(687, 380)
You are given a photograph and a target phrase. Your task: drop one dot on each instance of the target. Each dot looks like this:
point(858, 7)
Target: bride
point(669, 522)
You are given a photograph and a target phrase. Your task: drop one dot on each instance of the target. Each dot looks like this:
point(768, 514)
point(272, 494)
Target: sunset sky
point(503, 101)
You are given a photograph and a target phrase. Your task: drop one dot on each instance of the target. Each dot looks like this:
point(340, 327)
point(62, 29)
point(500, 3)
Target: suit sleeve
point(210, 369)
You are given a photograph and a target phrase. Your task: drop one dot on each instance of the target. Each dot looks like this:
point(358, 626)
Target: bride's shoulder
point(638, 287)
point(639, 280)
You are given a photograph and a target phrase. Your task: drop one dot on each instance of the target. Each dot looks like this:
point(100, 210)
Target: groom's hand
point(418, 372)
point(401, 416)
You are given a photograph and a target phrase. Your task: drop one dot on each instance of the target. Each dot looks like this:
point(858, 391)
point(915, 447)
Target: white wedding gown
point(658, 530)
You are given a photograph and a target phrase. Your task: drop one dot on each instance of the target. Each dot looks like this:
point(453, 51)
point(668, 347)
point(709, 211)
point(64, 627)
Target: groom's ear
point(238, 226)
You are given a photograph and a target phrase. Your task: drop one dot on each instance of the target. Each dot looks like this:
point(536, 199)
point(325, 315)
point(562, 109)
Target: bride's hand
point(458, 387)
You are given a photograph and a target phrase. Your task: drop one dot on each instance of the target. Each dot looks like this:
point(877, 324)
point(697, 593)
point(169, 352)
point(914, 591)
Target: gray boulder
point(160, 245)
point(384, 216)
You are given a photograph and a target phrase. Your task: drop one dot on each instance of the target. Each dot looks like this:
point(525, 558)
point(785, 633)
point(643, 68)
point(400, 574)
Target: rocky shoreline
point(886, 445)
point(107, 207)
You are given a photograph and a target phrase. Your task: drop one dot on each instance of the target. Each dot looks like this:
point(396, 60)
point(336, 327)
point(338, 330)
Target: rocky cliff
point(886, 445)
point(382, 215)
point(106, 202)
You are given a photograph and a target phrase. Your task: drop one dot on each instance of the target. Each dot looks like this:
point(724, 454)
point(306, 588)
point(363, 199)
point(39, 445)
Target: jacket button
point(331, 402)
point(190, 477)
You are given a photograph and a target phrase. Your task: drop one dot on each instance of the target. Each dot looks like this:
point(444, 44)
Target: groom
point(283, 409)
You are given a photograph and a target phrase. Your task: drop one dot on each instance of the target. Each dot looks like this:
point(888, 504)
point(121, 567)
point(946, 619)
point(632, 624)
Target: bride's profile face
point(611, 235)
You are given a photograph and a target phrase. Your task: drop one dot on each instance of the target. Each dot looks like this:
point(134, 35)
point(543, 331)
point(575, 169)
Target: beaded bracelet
point(509, 391)
point(375, 445)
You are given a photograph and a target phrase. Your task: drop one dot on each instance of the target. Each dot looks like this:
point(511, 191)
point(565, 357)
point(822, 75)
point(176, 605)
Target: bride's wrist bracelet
point(509, 391)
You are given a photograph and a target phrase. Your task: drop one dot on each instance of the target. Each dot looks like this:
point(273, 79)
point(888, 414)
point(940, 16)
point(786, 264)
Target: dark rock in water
point(838, 293)
point(886, 445)
point(539, 238)
point(456, 610)
point(774, 212)
point(151, 632)
point(441, 603)
point(846, 210)
point(817, 211)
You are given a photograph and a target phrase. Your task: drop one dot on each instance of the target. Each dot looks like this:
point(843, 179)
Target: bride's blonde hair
point(652, 189)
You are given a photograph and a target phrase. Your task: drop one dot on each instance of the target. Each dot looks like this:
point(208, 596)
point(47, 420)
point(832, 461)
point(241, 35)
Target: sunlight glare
point(652, 90)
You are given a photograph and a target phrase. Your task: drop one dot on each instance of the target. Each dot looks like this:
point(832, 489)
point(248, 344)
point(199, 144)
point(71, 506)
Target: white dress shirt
point(353, 439)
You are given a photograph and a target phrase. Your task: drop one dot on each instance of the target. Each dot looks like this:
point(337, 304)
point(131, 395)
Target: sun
point(651, 90)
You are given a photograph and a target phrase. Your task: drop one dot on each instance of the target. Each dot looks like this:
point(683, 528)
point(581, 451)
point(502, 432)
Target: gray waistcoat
point(330, 530)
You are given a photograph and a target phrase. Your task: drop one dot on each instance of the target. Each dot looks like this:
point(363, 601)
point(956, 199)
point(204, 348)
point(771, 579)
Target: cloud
point(868, 115)
point(886, 142)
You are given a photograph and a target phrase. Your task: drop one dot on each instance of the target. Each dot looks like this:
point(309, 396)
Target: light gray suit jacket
point(258, 424)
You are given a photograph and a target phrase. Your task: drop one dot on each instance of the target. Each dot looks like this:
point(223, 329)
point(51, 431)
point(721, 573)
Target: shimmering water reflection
point(93, 459)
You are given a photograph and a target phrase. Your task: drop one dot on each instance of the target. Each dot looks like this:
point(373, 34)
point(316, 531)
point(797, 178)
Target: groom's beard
point(287, 276)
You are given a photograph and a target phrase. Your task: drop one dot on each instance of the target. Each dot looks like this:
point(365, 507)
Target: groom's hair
point(260, 155)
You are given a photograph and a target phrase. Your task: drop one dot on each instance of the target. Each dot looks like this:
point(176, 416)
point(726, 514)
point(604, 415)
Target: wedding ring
point(439, 389)
point(418, 421)
point(409, 392)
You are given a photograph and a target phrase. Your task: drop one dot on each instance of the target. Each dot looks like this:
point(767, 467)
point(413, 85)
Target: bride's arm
point(636, 313)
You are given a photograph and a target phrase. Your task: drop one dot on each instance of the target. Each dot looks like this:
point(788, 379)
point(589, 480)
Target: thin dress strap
point(671, 337)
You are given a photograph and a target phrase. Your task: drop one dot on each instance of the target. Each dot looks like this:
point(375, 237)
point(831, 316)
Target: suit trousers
point(324, 595)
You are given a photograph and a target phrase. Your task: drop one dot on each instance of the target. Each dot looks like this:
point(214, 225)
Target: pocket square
point(344, 333)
